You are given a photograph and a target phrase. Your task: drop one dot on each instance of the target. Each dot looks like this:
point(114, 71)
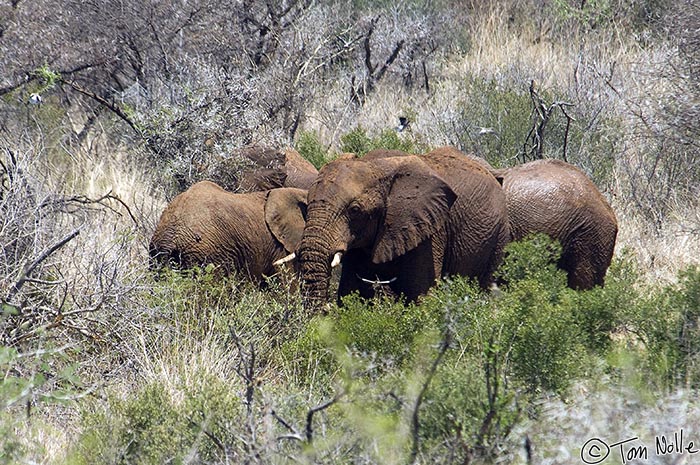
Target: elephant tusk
point(377, 281)
point(336, 259)
point(286, 259)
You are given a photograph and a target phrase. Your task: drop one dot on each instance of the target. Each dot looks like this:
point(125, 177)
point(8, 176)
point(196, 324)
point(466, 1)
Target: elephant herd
point(391, 219)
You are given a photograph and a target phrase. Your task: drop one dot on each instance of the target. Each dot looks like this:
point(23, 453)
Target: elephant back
point(478, 227)
point(555, 197)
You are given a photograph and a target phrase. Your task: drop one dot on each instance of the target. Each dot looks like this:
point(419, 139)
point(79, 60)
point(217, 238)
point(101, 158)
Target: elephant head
point(383, 207)
point(243, 233)
point(275, 168)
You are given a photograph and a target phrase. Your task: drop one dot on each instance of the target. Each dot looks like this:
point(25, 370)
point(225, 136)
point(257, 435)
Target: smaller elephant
point(558, 199)
point(242, 233)
point(275, 168)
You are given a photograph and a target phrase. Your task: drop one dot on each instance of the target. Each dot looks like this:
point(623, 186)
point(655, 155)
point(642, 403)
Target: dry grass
point(660, 254)
point(611, 413)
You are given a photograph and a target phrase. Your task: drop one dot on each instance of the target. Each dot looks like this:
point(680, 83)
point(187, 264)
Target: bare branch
point(314, 410)
point(534, 142)
point(17, 286)
point(32, 76)
point(84, 200)
point(415, 420)
point(115, 108)
point(390, 60)
point(295, 434)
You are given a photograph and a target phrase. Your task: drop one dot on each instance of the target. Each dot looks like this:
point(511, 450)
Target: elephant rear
point(558, 199)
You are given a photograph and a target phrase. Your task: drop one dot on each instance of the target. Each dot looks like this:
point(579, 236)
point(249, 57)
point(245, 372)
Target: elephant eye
point(355, 209)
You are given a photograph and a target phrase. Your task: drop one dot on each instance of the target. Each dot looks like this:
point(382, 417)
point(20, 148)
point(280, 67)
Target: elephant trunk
point(314, 255)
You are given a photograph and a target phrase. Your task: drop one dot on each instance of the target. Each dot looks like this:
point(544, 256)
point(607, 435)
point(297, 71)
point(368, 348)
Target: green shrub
point(30, 379)
point(381, 326)
point(151, 426)
point(199, 302)
point(533, 258)
point(636, 15)
point(507, 347)
point(495, 121)
point(311, 148)
point(358, 142)
point(379, 330)
point(602, 311)
point(667, 323)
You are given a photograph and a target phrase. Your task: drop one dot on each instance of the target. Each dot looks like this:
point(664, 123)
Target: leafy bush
point(497, 122)
point(382, 326)
point(152, 427)
point(494, 122)
point(533, 258)
point(605, 13)
point(358, 142)
point(379, 329)
point(603, 311)
point(507, 348)
point(311, 148)
point(30, 379)
point(200, 301)
point(667, 323)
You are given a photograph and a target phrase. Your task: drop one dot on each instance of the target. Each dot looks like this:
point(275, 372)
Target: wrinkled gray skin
point(404, 219)
point(558, 199)
point(275, 168)
point(242, 233)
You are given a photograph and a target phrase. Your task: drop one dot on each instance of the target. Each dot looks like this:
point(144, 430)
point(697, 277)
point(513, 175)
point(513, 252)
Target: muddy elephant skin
point(241, 233)
point(402, 220)
point(275, 168)
point(558, 199)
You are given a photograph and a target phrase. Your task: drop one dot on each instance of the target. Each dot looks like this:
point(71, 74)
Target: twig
point(314, 410)
point(84, 200)
point(415, 420)
point(246, 369)
point(32, 266)
point(309, 430)
point(295, 434)
point(217, 442)
point(32, 76)
point(116, 109)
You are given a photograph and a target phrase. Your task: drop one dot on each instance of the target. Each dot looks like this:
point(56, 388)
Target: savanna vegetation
point(110, 108)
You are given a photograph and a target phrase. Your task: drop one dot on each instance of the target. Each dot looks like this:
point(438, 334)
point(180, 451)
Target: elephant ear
point(285, 215)
point(418, 205)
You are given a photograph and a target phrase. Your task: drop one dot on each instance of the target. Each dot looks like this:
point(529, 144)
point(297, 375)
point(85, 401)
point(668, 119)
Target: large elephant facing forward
point(243, 233)
point(403, 220)
point(558, 199)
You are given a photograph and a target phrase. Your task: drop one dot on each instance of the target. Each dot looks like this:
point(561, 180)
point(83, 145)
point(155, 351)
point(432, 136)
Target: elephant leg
point(418, 270)
point(411, 276)
point(586, 272)
point(586, 260)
